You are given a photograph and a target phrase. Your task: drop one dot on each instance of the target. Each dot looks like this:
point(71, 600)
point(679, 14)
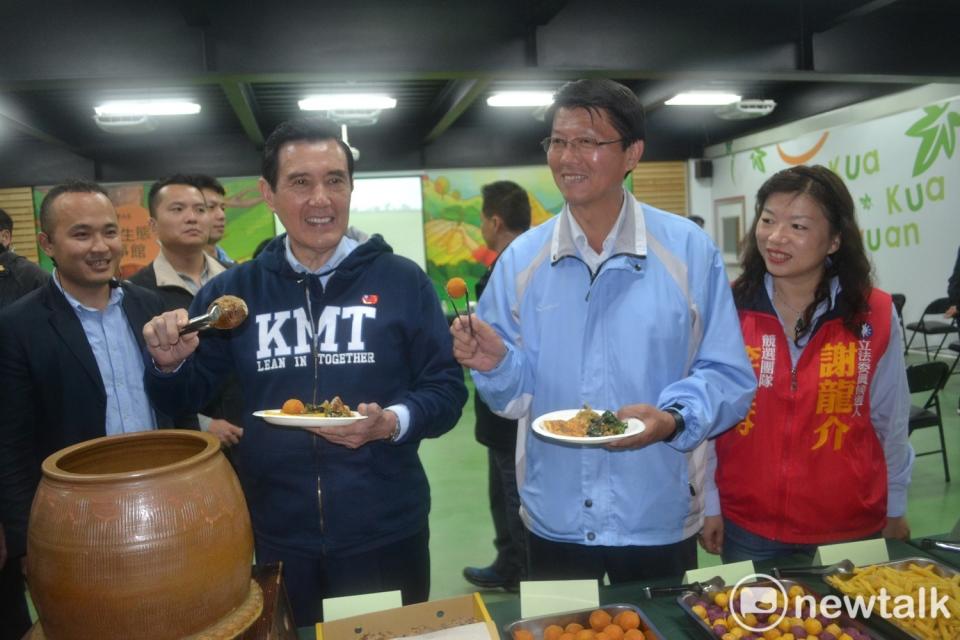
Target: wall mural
point(452, 202)
point(903, 172)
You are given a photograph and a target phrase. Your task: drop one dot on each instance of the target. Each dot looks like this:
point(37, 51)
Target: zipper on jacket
point(793, 379)
point(316, 382)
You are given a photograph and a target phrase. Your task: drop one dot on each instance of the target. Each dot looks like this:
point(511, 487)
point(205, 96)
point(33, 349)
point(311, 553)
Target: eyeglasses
point(580, 145)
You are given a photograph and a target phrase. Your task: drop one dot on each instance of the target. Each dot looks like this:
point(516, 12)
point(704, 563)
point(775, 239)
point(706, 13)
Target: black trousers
point(511, 561)
point(14, 615)
point(567, 561)
point(403, 565)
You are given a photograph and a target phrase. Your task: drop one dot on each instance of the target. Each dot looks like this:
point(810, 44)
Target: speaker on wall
point(703, 169)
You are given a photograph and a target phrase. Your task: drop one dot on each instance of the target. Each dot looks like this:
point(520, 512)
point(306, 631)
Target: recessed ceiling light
point(147, 108)
point(341, 101)
point(702, 99)
point(521, 99)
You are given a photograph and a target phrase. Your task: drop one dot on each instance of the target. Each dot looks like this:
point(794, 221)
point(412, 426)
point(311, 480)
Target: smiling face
point(590, 180)
point(312, 197)
point(794, 236)
point(216, 214)
point(180, 220)
point(85, 243)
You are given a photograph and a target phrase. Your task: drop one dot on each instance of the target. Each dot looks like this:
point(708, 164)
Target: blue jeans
point(739, 544)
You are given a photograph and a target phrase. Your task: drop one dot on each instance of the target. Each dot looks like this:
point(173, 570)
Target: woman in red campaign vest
point(822, 456)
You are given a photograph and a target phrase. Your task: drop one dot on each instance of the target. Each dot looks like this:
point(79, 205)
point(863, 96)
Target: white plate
point(277, 417)
point(634, 426)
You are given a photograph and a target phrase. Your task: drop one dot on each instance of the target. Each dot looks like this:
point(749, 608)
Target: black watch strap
point(679, 422)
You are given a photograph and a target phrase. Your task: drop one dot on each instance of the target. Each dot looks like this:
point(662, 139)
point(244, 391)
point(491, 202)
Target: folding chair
point(899, 301)
point(923, 378)
point(955, 347)
point(930, 327)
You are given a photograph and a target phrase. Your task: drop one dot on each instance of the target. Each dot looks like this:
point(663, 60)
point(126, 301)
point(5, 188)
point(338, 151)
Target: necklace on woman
point(799, 325)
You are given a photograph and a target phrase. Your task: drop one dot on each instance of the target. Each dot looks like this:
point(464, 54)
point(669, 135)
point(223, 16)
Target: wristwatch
point(395, 435)
point(680, 424)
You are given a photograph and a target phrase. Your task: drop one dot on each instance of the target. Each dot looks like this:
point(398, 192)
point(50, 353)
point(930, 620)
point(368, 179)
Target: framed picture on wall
point(730, 221)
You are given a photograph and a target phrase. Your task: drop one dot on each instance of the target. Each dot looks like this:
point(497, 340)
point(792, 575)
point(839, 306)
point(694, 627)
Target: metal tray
point(538, 624)
point(689, 599)
point(890, 629)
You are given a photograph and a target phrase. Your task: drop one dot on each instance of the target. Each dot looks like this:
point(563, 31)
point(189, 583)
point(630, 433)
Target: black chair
point(899, 301)
point(929, 377)
point(933, 327)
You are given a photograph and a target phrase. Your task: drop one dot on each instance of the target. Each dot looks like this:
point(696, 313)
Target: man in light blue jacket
point(624, 307)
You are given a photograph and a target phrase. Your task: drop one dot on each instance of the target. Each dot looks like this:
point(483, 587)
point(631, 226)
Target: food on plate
point(587, 424)
point(456, 287)
point(328, 408)
point(293, 407)
point(909, 582)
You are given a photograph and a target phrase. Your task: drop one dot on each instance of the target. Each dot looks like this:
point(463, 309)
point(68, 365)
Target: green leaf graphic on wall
point(938, 132)
point(756, 159)
point(866, 201)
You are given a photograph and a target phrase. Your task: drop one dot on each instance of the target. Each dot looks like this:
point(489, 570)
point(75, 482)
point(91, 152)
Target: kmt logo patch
point(370, 298)
point(866, 330)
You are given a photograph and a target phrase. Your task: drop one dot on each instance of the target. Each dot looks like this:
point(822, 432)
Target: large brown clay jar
point(144, 536)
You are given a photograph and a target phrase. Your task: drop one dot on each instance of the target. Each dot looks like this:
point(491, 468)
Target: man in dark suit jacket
point(71, 360)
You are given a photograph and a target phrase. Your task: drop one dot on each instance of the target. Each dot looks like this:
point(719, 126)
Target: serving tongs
point(945, 545)
point(226, 312)
point(842, 568)
point(713, 583)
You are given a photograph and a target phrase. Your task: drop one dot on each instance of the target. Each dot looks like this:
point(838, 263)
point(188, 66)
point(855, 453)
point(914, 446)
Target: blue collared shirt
point(120, 363)
point(344, 248)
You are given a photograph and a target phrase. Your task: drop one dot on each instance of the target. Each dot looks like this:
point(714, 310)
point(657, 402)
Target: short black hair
point(203, 181)
point(698, 220)
point(510, 202)
point(70, 186)
point(302, 129)
point(177, 178)
point(6, 222)
point(621, 105)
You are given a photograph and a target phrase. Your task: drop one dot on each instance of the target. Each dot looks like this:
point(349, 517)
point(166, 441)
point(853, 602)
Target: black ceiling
point(247, 62)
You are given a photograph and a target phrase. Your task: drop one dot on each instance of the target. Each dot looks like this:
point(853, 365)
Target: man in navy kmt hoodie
point(344, 508)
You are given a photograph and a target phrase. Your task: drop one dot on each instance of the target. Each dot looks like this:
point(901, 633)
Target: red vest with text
point(806, 466)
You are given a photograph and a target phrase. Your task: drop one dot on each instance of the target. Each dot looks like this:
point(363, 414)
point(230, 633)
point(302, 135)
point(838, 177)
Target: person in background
point(697, 220)
point(179, 220)
point(215, 197)
point(624, 307)
point(18, 276)
point(506, 214)
point(823, 455)
point(70, 356)
point(344, 508)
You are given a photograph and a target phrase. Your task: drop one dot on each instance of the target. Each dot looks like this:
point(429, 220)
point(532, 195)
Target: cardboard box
point(415, 619)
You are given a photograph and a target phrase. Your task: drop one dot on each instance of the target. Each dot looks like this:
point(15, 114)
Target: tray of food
point(769, 609)
point(615, 621)
point(912, 587)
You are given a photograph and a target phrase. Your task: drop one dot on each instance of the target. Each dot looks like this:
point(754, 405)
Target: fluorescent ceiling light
point(703, 98)
point(336, 101)
point(147, 108)
point(521, 99)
